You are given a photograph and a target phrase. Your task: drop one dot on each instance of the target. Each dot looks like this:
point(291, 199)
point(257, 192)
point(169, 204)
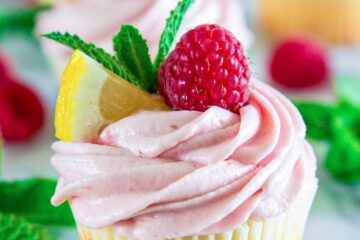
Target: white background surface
point(336, 211)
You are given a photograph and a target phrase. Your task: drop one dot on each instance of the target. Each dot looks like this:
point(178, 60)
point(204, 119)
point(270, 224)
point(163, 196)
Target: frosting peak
point(159, 175)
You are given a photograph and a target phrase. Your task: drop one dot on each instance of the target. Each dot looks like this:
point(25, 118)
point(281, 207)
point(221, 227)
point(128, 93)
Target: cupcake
point(97, 21)
point(334, 21)
point(164, 175)
point(218, 155)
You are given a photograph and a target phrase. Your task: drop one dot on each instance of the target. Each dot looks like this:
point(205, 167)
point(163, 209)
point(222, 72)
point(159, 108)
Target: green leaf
point(19, 19)
point(15, 228)
point(107, 60)
point(347, 89)
point(169, 34)
point(317, 118)
point(342, 160)
point(132, 50)
point(30, 199)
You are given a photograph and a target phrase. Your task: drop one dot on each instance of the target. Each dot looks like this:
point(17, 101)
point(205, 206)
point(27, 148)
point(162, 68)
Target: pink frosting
point(160, 175)
point(98, 21)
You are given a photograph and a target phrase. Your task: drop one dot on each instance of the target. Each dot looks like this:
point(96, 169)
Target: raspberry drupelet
point(207, 68)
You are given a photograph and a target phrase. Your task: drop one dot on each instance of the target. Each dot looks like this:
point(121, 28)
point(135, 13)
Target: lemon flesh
point(91, 97)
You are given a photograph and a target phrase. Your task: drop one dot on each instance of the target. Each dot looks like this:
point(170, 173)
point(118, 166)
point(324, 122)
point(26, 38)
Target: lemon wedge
point(91, 97)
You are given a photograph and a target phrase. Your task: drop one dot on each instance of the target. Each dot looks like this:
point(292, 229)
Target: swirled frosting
point(157, 175)
point(98, 21)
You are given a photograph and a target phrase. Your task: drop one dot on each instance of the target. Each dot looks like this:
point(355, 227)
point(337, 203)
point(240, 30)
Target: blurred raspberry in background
point(21, 111)
point(299, 63)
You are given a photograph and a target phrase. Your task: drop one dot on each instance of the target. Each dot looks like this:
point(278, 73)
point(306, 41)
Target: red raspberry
point(298, 63)
point(21, 112)
point(207, 68)
point(4, 68)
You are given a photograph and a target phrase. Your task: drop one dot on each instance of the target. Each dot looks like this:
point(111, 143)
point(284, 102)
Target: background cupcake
point(97, 21)
point(333, 20)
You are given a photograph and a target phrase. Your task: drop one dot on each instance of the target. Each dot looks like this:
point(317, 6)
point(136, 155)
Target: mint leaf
point(98, 54)
point(342, 160)
point(169, 34)
point(30, 199)
point(15, 228)
point(317, 118)
point(347, 89)
point(15, 18)
point(132, 50)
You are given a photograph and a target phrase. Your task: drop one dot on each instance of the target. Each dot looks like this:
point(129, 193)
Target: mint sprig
point(98, 54)
point(19, 19)
point(168, 36)
point(339, 125)
point(132, 61)
point(317, 118)
point(132, 50)
point(343, 158)
point(15, 228)
point(30, 199)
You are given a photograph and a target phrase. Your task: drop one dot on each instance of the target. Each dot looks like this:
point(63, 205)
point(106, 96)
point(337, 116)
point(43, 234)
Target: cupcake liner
point(334, 20)
point(287, 226)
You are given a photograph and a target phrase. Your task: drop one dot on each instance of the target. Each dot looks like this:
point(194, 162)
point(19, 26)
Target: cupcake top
point(158, 175)
point(97, 21)
point(231, 149)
